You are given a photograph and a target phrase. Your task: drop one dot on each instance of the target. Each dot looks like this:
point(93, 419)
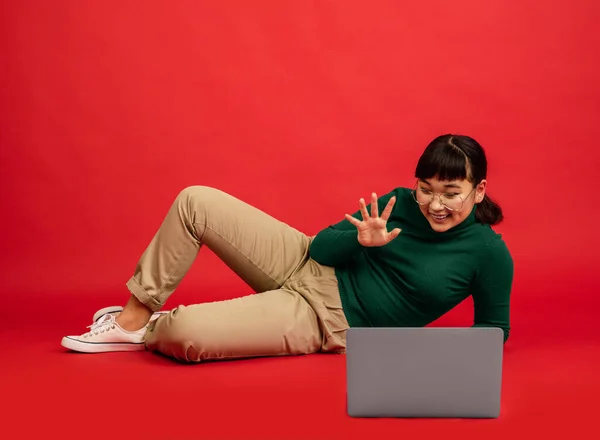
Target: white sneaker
point(106, 335)
point(115, 310)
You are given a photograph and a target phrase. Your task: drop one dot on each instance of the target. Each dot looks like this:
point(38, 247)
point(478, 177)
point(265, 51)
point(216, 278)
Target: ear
point(480, 191)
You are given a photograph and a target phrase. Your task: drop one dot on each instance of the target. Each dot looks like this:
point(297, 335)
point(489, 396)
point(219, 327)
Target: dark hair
point(457, 157)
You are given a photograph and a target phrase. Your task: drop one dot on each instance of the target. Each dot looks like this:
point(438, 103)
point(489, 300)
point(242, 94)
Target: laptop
point(425, 372)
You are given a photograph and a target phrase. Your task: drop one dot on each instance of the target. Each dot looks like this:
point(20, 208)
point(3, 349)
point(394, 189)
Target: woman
point(404, 260)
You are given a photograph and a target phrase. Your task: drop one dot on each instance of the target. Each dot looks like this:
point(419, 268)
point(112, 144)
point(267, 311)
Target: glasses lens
point(422, 198)
point(451, 202)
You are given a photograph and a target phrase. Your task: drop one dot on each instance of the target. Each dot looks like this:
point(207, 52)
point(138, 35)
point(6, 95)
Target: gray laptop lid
point(424, 372)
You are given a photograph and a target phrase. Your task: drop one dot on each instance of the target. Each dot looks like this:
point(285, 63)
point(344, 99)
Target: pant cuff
point(143, 296)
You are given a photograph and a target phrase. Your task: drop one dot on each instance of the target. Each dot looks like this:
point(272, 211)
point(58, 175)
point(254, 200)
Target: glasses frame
point(462, 205)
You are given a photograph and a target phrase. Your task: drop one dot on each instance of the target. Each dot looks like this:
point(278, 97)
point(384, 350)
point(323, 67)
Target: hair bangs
point(443, 161)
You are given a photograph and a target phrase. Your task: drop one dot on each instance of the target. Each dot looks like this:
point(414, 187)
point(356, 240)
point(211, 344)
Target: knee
point(197, 193)
point(196, 201)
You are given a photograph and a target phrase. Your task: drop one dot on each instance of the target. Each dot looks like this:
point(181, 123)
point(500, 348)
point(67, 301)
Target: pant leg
point(263, 251)
point(303, 317)
point(273, 323)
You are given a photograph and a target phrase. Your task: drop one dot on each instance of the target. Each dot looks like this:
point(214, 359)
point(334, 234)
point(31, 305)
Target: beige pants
point(297, 307)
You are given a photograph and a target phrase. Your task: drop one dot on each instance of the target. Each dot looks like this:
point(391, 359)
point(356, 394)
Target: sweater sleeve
point(337, 244)
point(492, 287)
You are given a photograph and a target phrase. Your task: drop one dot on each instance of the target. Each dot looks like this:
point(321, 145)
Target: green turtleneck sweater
point(421, 274)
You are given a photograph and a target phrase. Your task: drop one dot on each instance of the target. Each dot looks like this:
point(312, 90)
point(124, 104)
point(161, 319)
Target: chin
point(441, 227)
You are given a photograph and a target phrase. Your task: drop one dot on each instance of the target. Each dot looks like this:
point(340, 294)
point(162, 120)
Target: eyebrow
point(448, 185)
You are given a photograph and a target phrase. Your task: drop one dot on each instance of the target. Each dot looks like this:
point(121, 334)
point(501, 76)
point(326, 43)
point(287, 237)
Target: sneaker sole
point(100, 347)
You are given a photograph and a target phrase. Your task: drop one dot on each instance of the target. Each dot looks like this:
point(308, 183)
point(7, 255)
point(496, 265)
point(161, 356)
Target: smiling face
point(447, 203)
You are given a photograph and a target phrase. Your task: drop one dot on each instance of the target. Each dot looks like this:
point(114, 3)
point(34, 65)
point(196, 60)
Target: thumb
point(394, 233)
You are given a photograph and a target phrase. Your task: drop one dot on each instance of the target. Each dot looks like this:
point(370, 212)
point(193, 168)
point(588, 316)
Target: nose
point(436, 204)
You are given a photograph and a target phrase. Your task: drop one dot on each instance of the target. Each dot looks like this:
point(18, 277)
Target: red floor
point(551, 387)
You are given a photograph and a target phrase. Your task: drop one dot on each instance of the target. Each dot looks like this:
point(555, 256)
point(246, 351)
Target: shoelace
point(104, 324)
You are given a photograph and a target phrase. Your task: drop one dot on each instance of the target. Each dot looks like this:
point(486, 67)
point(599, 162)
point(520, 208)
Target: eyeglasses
point(450, 201)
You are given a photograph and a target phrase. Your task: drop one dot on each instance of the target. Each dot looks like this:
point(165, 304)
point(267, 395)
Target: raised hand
point(372, 230)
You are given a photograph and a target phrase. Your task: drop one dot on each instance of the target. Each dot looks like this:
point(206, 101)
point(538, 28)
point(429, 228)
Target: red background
point(108, 109)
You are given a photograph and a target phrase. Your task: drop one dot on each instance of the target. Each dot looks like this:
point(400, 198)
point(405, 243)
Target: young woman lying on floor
point(402, 261)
